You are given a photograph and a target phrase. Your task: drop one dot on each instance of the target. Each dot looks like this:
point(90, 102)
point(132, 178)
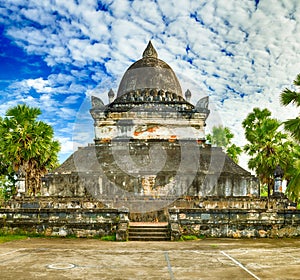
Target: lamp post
point(278, 174)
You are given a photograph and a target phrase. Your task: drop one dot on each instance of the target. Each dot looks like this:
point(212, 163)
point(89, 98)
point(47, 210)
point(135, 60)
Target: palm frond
point(293, 126)
point(297, 80)
point(290, 97)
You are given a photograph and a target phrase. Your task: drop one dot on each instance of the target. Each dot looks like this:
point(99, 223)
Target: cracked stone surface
point(202, 259)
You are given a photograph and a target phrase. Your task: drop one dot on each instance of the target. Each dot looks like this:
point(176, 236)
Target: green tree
point(292, 97)
point(221, 137)
point(293, 126)
point(293, 188)
point(7, 179)
point(267, 146)
point(27, 146)
point(7, 187)
point(291, 168)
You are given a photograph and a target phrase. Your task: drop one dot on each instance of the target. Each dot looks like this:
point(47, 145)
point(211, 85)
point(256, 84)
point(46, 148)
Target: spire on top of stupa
point(150, 51)
point(149, 72)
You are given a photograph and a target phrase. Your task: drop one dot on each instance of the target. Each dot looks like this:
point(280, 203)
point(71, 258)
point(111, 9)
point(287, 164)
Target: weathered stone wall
point(97, 185)
point(237, 223)
point(79, 222)
point(213, 217)
point(54, 202)
point(233, 202)
point(150, 168)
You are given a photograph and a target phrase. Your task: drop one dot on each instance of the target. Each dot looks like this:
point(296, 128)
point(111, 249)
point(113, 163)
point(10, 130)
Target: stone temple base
point(214, 217)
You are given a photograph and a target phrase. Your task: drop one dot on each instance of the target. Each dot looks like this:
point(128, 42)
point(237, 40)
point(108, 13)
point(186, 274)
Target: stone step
point(148, 238)
point(148, 232)
point(149, 229)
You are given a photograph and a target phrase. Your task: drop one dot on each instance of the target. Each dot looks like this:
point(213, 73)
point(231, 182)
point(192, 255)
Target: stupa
point(150, 148)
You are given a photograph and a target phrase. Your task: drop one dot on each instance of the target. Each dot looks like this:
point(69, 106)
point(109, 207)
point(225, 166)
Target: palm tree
point(293, 188)
point(267, 146)
point(293, 126)
point(292, 97)
point(27, 145)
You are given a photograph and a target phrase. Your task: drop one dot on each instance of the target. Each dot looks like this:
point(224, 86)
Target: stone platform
point(214, 217)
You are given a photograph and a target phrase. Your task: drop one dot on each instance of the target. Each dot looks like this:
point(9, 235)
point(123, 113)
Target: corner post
point(174, 226)
point(122, 226)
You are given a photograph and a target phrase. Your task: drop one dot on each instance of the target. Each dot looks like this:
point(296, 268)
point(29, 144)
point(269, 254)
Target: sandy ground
point(201, 259)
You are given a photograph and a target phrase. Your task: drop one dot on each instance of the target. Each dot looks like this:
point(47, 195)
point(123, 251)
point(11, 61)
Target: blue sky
point(55, 54)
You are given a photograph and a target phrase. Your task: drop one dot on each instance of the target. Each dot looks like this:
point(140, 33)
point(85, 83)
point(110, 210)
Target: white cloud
point(120, 8)
point(68, 146)
point(72, 99)
point(39, 85)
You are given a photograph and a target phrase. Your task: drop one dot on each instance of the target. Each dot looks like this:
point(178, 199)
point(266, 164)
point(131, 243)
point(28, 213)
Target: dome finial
point(188, 95)
point(150, 51)
point(111, 96)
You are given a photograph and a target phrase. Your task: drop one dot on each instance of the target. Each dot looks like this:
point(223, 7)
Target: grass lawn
point(8, 238)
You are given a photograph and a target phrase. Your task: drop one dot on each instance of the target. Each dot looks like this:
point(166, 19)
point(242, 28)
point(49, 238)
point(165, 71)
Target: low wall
point(237, 223)
point(63, 222)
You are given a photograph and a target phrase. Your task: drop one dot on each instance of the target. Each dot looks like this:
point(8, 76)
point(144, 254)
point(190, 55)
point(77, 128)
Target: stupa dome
point(149, 73)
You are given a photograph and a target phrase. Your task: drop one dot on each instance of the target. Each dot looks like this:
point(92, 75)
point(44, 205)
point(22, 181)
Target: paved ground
point(202, 259)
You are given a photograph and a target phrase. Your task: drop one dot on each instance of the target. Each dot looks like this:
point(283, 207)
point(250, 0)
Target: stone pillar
point(122, 227)
point(174, 224)
point(277, 189)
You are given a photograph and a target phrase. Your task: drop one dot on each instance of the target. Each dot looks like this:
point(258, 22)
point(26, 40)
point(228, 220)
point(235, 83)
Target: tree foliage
point(293, 188)
point(293, 126)
point(268, 146)
point(27, 146)
point(292, 97)
point(7, 187)
point(221, 137)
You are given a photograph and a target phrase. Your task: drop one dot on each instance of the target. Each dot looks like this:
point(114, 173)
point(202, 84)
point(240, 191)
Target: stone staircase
point(148, 232)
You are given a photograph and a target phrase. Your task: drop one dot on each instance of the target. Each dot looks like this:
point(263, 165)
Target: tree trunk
point(28, 190)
